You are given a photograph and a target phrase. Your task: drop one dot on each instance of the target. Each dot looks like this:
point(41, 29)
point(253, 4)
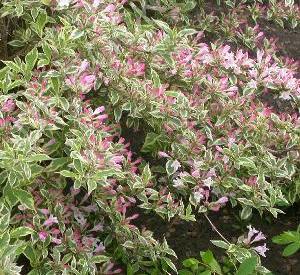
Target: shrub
point(78, 74)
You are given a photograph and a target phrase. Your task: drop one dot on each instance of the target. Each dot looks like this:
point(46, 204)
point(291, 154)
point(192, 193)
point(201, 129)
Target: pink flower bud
point(43, 235)
point(8, 106)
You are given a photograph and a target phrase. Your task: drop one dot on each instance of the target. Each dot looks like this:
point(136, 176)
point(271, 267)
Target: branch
point(215, 229)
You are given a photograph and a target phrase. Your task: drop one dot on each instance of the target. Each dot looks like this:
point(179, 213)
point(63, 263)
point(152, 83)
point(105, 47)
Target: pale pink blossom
point(8, 106)
point(43, 235)
point(110, 8)
point(87, 80)
point(261, 249)
point(50, 221)
point(163, 154)
point(44, 211)
point(135, 68)
point(56, 240)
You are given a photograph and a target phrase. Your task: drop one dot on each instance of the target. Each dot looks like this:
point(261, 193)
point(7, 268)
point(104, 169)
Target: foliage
point(208, 265)
point(77, 74)
point(291, 239)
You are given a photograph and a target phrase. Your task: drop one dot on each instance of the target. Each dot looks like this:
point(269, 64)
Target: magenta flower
point(70, 81)
point(117, 161)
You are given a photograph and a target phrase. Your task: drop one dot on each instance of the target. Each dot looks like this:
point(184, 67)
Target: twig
point(215, 229)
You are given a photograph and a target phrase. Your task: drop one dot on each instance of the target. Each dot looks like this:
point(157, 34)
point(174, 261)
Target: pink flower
point(99, 110)
point(84, 65)
point(97, 227)
point(50, 221)
point(163, 154)
point(44, 211)
point(259, 237)
point(43, 235)
point(254, 236)
point(252, 181)
point(87, 81)
point(135, 68)
point(70, 81)
point(117, 161)
point(110, 8)
point(222, 200)
point(261, 249)
point(99, 248)
point(96, 3)
point(56, 240)
point(8, 106)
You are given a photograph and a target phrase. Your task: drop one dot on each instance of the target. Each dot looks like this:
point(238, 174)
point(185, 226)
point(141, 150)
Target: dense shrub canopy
point(110, 109)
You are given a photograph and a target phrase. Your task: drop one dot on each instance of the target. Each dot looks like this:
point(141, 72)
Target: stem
point(215, 229)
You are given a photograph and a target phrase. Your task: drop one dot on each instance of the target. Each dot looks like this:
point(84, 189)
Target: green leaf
point(247, 267)
point(100, 259)
point(4, 242)
point(185, 272)
point(4, 222)
point(92, 185)
point(103, 174)
point(76, 34)
point(13, 66)
point(246, 162)
point(146, 175)
point(172, 166)
point(163, 25)
point(64, 103)
point(67, 174)
point(30, 254)
point(47, 50)
point(21, 232)
point(246, 212)
point(291, 249)
point(186, 32)
point(169, 263)
point(155, 78)
point(24, 198)
point(209, 259)
point(38, 157)
point(191, 262)
point(57, 163)
point(31, 59)
point(220, 243)
point(206, 272)
point(41, 22)
point(118, 114)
